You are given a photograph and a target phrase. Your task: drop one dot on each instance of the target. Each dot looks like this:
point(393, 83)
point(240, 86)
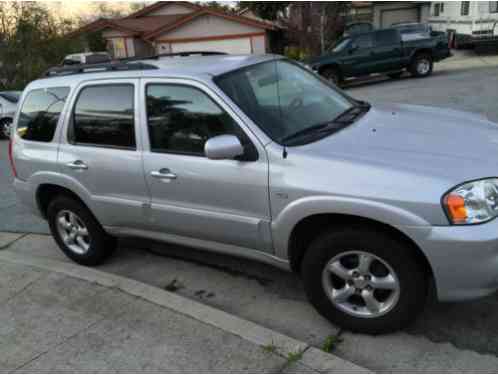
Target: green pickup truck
point(381, 51)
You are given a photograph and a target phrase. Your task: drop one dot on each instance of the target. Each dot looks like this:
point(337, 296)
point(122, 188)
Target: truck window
point(386, 37)
point(364, 41)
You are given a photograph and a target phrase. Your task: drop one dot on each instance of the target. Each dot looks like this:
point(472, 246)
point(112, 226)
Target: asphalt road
point(447, 337)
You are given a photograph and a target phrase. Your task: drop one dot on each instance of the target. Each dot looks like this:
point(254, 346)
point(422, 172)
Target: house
point(177, 26)
point(383, 14)
point(470, 22)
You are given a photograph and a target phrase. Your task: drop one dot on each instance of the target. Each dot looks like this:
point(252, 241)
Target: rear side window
point(40, 113)
point(104, 116)
point(386, 37)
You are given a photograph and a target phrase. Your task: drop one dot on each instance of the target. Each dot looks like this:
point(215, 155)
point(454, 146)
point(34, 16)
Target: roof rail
point(95, 68)
point(174, 54)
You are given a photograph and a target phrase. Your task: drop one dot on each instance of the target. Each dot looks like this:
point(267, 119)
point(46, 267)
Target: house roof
point(142, 24)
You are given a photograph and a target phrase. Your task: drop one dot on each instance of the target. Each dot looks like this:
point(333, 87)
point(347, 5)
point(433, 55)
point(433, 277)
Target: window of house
point(104, 116)
point(40, 113)
point(436, 9)
point(464, 8)
point(493, 7)
point(182, 118)
point(119, 47)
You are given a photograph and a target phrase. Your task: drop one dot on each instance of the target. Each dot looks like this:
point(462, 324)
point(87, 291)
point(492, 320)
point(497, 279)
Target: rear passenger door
point(387, 53)
point(101, 151)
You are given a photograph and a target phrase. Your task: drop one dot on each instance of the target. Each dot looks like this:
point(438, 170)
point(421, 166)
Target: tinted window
point(386, 37)
point(40, 114)
point(104, 116)
point(364, 41)
point(181, 119)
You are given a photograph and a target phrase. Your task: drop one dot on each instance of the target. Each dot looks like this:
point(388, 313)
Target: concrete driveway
point(447, 337)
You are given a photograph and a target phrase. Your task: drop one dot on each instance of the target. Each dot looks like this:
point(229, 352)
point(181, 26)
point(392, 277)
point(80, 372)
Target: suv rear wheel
point(78, 233)
point(422, 65)
point(363, 280)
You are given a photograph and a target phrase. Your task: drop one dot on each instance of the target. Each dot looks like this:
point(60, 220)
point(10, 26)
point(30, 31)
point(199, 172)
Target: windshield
point(283, 98)
point(11, 96)
point(340, 45)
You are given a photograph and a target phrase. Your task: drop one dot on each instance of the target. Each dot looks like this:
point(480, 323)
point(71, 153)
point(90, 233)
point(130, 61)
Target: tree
point(268, 10)
point(31, 41)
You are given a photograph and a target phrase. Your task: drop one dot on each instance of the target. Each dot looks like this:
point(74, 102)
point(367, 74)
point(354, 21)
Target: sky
point(74, 8)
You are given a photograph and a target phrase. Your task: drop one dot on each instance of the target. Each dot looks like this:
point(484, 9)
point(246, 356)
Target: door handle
point(77, 165)
point(163, 173)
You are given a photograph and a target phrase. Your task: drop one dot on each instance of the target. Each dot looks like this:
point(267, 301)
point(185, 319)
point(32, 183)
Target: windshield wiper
point(345, 118)
point(353, 112)
point(330, 125)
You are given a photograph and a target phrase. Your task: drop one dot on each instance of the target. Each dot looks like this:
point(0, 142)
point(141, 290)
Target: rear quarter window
point(40, 113)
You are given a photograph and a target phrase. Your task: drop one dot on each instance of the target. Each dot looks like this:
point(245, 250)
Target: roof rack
point(174, 54)
point(95, 68)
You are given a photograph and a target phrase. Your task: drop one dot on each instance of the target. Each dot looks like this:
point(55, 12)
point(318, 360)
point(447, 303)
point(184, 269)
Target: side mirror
point(223, 147)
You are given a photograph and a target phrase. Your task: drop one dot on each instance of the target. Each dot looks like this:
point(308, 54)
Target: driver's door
point(222, 201)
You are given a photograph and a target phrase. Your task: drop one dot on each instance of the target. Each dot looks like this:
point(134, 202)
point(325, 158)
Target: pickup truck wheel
point(78, 233)
point(422, 65)
point(332, 75)
point(364, 281)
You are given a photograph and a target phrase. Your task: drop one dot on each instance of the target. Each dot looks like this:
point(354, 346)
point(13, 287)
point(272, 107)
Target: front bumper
point(464, 259)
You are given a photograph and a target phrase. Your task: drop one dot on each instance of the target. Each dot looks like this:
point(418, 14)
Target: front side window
point(182, 118)
point(104, 116)
point(283, 98)
point(40, 113)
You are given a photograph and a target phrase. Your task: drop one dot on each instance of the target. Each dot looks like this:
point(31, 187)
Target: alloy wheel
point(361, 284)
point(73, 232)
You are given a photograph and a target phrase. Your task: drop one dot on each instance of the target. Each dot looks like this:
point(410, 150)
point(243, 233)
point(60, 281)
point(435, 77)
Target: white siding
point(171, 9)
point(258, 44)
point(231, 46)
point(207, 26)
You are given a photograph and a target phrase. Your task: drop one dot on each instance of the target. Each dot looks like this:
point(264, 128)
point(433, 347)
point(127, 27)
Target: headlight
point(473, 202)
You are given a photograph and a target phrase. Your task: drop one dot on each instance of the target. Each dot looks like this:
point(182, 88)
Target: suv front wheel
point(78, 233)
point(364, 281)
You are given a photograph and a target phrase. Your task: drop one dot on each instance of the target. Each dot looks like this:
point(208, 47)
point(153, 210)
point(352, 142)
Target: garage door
point(232, 46)
point(390, 17)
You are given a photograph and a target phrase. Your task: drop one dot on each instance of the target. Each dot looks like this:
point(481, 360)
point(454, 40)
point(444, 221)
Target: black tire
point(333, 75)
point(396, 75)
point(400, 256)
point(101, 246)
point(3, 122)
point(415, 67)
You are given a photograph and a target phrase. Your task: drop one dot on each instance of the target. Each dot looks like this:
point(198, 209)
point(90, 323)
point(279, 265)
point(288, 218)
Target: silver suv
point(256, 156)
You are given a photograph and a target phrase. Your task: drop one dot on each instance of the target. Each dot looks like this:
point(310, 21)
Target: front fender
point(300, 209)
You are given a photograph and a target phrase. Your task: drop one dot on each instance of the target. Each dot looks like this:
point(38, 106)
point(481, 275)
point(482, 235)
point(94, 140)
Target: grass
point(293, 357)
point(331, 342)
point(270, 348)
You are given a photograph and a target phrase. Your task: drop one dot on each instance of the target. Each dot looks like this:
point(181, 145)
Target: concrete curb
point(311, 358)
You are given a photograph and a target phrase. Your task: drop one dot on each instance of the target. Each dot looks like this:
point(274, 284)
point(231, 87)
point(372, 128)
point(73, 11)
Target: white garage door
point(389, 17)
point(232, 46)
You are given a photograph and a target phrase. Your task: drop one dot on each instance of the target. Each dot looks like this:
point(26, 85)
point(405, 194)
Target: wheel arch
point(421, 51)
point(311, 226)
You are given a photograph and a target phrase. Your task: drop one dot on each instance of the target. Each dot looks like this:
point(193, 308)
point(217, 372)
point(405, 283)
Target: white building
point(470, 22)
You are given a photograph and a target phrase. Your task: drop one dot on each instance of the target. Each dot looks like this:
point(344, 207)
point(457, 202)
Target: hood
point(427, 141)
